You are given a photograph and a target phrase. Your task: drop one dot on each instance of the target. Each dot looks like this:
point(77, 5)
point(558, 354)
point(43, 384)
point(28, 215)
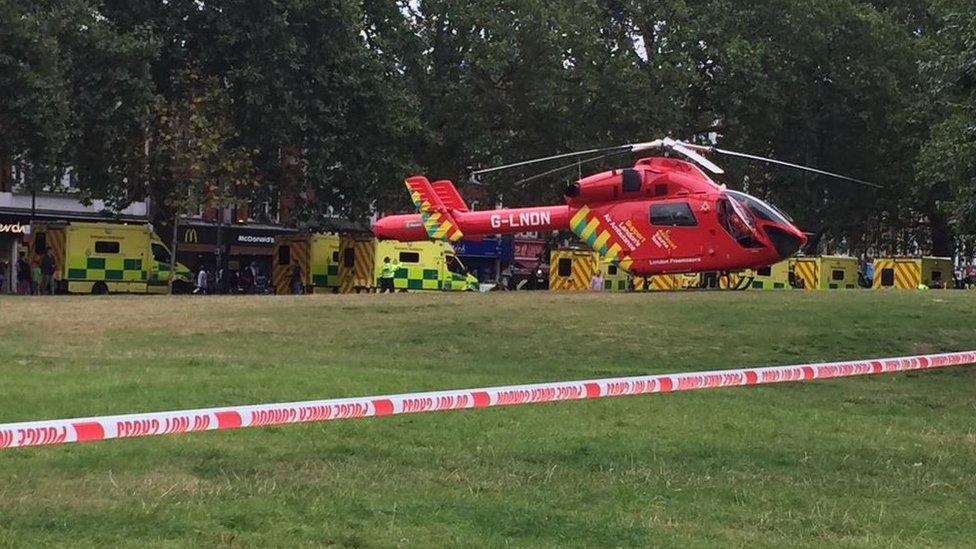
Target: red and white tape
point(63, 431)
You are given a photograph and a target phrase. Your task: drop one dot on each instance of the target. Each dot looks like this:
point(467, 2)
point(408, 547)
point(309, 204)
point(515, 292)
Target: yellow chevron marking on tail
point(438, 223)
point(578, 216)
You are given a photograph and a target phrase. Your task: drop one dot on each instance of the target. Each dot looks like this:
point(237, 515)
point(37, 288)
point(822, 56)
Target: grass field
point(877, 461)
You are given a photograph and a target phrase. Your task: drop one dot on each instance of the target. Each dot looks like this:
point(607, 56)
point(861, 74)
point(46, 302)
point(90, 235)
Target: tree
point(34, 105)
point(828, 84)
point(195, 158)
point(111, 96)
point(501, 81)
point(309, 87)
point(947, 164)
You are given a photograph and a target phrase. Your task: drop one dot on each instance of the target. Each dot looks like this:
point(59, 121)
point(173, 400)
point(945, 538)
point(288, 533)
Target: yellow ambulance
point(909, 273)
point(572, 269)
point(101, 258)
point(826, 272)
point(778, 276)
point(316, 256)
point(425, 265)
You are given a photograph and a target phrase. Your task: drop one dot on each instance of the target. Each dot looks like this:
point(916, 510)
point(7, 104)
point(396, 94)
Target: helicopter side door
point(675, 232)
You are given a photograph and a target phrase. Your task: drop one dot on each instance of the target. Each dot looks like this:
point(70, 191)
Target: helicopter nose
point(786, 240)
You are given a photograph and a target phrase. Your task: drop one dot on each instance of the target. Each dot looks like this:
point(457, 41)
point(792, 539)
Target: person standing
point(3, 276)
point(387, 274)
point(596, 282)
point(296, 279)
point(23, 275)
point(505, 279)
point(48, 267)
point(233, 282)
point(35, 285)
point(247, 280)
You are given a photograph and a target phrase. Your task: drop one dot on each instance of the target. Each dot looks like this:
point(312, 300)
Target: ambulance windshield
point(455, 266)
point(160, 253)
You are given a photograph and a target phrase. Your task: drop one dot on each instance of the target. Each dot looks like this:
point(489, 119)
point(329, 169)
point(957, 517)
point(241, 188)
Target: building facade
point(213, 238)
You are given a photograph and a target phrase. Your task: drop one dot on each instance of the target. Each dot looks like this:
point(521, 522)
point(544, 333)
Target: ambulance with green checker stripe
point(424, 266)
point(101, 258)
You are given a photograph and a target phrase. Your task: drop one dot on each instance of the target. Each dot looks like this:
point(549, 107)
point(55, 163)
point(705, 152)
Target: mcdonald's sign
point(190, 235)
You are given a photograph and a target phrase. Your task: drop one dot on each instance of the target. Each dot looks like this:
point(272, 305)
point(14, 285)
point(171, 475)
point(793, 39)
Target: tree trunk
point(942, 234)
point(172, 257)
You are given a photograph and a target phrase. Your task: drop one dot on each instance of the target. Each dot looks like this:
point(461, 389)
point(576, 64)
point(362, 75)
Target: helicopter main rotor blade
point(701, 160)
point(782, 163)
point(630, 147)
point(549, 158)
point(564, 167)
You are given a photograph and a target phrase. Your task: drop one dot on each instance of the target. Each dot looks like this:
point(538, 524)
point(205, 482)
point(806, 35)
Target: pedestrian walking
point(201, 287)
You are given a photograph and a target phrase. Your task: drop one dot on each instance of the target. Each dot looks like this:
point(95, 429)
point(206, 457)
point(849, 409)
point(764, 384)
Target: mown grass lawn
point(878, 461)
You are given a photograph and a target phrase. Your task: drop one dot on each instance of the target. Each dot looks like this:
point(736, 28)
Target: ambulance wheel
point(99, 288)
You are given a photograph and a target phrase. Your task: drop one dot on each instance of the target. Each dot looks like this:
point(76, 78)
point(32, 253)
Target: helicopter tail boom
point(413, 227)
point(443, 215)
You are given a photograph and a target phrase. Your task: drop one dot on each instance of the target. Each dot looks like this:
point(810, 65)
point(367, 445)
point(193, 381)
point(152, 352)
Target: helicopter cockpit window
point(675, 214)
point(760, 209)
point(736, 221)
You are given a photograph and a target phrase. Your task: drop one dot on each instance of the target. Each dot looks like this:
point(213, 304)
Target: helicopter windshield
point(737, 220)
point(739, 214)
point(760, 209)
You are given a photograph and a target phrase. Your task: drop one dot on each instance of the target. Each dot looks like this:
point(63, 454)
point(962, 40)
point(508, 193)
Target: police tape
point(63, 431)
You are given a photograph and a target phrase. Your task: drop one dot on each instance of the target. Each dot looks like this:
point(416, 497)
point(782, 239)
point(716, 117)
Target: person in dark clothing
point(23, 275)
point(48, 267)
point(247, 280)
point(296, 279)
point(233, 283)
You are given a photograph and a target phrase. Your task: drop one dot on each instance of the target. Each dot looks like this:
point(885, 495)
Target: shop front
point(235, 247)
point(13, 233)
point(485, 258)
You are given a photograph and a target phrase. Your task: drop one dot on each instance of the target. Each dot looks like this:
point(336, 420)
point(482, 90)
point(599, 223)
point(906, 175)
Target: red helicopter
point(663, 215)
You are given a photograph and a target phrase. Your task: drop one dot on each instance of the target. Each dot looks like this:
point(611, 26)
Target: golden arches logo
point(190, 236)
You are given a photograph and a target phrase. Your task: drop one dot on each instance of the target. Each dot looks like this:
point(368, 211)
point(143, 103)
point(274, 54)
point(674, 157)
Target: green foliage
point(335, 102)
point(34, 104)
point(195, 158)
point(948, 159)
